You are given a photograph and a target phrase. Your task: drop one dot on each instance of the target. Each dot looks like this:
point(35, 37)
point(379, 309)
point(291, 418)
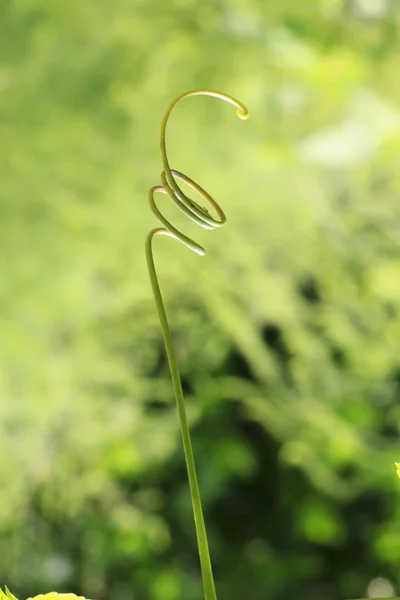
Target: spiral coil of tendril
point(202, 217)
point(169, 186)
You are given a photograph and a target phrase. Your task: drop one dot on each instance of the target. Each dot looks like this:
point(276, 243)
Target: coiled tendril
point(202, 217)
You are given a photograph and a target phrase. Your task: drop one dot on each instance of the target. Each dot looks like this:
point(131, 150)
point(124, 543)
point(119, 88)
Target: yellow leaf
point(397, 468)
point(49, 596)
point(7, 595)
point(55, 596)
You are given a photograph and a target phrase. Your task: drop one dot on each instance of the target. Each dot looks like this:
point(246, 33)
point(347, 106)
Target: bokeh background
point(287, 332)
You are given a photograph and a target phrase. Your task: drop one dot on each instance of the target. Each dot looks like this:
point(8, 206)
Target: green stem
point(205, 561)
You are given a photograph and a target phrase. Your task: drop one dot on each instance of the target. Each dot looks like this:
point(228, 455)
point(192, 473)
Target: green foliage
point(287, 332)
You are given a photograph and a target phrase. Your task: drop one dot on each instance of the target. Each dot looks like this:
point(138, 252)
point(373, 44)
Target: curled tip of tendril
point(243, 113)
point(198, 213)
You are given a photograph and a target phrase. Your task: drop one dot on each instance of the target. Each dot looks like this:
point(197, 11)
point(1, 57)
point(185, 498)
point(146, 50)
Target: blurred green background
point(287, 332)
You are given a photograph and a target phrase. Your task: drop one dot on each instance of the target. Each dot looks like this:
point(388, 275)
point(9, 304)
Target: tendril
point(202, 217)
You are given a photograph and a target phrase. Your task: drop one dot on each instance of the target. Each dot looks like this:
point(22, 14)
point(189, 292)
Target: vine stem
point(202, 217)
point(205, 560)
